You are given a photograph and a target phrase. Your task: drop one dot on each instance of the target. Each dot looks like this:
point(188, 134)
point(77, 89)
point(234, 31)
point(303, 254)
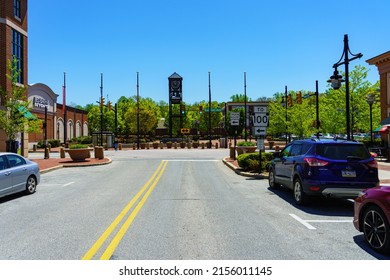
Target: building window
point(17, 8)
point(17, 52)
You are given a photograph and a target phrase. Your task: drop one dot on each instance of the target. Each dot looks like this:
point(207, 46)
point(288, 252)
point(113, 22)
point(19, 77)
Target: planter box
point(79, 154)
point(245, 149)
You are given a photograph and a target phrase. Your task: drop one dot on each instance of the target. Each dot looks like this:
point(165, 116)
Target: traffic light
point(182, 109)
point(102, 101)
point(200, 109)
point(109, 105)
point(289, 100)
point(299, 97)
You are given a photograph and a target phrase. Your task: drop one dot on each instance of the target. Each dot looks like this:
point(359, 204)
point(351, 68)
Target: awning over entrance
point(26, 113)
point(384, 129)
point(385, 121)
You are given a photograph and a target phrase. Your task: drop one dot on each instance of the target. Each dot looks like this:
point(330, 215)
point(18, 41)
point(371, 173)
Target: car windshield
point(343, 151)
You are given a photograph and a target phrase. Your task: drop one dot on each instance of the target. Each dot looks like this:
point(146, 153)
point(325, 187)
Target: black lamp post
point(138, 124)
point(317, 110)
point(336, 79)
point(285, 104)
point(245, 110)
point(370, 101)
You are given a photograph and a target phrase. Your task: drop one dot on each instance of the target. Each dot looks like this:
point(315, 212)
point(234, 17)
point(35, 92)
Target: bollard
point(62, 152)
point(47, 154)
point(216, 145)
point(120, 146)
point(99, 152)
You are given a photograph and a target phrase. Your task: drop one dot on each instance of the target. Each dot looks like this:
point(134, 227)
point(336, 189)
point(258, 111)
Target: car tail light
point(360, 197)
point(315, 162)
point(373, 164)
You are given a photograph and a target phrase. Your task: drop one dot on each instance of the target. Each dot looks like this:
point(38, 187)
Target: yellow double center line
point(151, 183)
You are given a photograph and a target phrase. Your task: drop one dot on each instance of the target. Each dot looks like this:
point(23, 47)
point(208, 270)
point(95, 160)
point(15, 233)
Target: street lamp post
point(370, 101)
point(138, 124)
point(285, 104)
point(317, 110)
point(245, 110)
point(336, 79)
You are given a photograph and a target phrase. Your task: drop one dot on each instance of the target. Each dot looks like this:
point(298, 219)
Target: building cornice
point(380, 59)
point(14, 26)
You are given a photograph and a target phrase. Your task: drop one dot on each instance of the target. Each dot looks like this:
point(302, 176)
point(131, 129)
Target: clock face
point(175, 85)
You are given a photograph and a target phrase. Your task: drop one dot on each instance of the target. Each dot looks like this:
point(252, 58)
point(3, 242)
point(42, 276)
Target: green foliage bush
point(82, 140)
point(250, 161)
point(246, 143)
point(52, 142)
point(78, 146)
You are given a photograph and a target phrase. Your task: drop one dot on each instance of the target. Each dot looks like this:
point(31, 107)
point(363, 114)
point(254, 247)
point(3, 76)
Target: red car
point(372, 217)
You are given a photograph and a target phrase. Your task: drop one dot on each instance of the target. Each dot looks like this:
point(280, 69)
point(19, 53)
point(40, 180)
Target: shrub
point(53, 143)
point(246, 143)
point(83, 140)
point(78, 146)
point(250, 161)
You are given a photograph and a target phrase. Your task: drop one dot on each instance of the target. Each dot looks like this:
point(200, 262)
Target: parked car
point(320, 167)
point(372, 217)
point(17, 174)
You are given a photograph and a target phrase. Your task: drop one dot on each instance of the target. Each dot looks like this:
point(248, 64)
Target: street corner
point(233, 165)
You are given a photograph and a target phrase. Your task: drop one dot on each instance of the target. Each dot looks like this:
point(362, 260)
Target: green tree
point(239, 98)
point(148, 116)
point(16, 118)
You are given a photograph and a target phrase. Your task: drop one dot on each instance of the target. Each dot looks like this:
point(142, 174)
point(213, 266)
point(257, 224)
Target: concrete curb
point(69, 165)
point(240, 172)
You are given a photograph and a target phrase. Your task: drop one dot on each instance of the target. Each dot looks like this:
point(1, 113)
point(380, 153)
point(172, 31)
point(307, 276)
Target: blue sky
point(277, 43)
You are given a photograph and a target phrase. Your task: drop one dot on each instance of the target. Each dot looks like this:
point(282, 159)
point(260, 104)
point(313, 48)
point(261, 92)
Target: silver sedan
point(17, 174)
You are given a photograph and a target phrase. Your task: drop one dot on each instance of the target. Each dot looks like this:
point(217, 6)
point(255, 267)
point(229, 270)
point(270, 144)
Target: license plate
point(348, 173)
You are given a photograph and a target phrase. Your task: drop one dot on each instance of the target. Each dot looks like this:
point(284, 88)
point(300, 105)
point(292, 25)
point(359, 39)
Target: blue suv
point(331, 168)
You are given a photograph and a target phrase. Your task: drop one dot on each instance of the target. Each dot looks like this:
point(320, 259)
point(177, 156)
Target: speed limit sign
point(260, 119)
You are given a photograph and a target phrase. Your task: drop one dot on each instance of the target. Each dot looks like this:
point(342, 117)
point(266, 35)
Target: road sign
point(235, 118)
point(259, 131)
point(260, 119)
point(260, 109)
point(213, 110)
point(185, 131)
point(260, 144)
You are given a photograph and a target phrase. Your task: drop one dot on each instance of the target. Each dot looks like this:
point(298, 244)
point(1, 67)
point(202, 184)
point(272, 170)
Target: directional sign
point(259, 131)
point(260, 119)
point(185, 131)
point(260, 144)
point(235, 118)
point(260, 109)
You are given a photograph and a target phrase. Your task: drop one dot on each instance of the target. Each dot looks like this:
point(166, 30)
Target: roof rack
point(337, 138)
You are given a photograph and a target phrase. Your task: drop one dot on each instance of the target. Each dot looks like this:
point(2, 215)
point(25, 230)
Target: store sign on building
point(39, 102)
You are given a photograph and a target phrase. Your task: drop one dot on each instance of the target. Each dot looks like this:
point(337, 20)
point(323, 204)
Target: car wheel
point(299, 195)
point(271, 179)
point(31, 185)
point(376, 229)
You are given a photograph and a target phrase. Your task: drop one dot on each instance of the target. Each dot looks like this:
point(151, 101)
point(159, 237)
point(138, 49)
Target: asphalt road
point(172, 205)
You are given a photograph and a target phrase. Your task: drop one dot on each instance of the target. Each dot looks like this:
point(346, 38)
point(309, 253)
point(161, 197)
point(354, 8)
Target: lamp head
point(336, 79)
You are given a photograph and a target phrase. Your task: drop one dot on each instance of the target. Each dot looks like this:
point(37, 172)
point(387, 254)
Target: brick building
point(43, 98)
point(13, 43)
point(382, 62)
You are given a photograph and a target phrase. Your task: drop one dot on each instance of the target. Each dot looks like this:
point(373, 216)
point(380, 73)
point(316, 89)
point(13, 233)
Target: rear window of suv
point(343, 151)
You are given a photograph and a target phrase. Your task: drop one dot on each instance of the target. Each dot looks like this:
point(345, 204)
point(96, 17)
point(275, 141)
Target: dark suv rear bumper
point(339, 191)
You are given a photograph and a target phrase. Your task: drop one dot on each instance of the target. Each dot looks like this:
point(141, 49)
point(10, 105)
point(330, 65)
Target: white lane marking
point(200, 160)
point(70, 183)
point(309, 226)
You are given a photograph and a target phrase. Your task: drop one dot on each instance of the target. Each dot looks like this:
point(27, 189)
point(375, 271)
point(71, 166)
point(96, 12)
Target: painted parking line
point(307, 224)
